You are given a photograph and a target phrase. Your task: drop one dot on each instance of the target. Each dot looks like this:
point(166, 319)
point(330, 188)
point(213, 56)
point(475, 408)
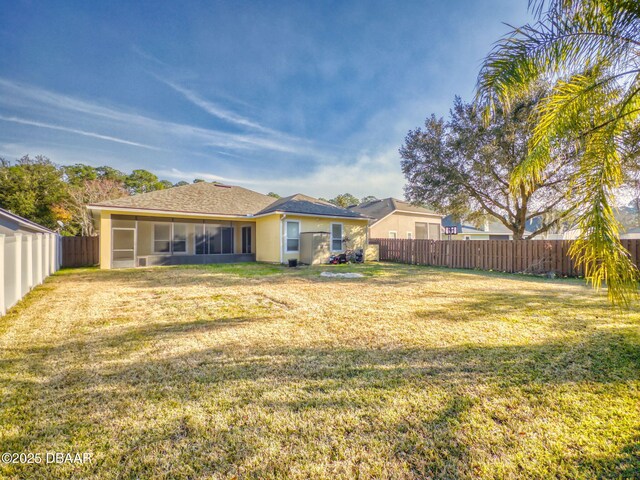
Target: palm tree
point(590, 51)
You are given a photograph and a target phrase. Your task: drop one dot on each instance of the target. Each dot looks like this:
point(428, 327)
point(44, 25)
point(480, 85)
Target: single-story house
point(215, 223)
point(490, 230)
point(10, 224)
point(393, 218)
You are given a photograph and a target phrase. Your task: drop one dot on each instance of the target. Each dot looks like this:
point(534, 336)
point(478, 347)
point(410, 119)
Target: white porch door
point(123, 247)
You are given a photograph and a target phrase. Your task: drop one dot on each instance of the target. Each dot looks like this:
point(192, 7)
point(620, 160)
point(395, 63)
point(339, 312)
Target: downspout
point(281, 237)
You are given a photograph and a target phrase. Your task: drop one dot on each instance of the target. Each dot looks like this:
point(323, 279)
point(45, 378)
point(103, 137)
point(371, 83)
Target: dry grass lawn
point(256, 371)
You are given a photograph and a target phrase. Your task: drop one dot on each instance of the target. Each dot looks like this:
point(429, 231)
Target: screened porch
point(138, 241)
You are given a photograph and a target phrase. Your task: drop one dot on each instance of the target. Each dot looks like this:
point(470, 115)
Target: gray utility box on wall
point(314, 247)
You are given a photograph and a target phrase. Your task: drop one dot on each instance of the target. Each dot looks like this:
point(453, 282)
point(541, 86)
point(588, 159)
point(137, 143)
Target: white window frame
point(286, 236)
point(395, 234)
point(341, 237)
point(153, 238)
point(409, 235)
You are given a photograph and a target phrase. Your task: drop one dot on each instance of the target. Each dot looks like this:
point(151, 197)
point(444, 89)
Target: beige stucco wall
point(271, 235)
point(355, 230)
point(105, 240)
point(401, 223)
point(268, 238)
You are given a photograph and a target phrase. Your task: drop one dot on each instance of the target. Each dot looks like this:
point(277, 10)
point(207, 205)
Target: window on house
point(336, 237)
point(434, 231)
point(179, 243)
point(393, 235)
point(410, 235)
point(422, 231)
point(293, 236)
point(162, 238)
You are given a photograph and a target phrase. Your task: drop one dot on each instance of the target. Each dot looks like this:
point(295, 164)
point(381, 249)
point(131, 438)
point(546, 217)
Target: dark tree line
point(39, 190)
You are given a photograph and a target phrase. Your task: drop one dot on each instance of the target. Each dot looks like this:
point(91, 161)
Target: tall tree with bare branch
point(91, 191)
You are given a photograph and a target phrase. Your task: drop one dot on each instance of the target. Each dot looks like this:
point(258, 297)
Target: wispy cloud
point(215, 110)
point(146, 55)
point(23, 95)
point(178, 174)
point(85, 133)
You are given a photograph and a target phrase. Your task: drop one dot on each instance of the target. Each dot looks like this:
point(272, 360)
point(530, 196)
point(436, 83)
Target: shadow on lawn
point(82, 398)
point(558, 307)
point(90, 387)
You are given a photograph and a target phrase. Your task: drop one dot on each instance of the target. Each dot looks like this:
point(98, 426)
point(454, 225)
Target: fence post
point(39, 275)
point(52, 248)
point(29, 261)
point(18, 265)
point(45, 257)
point(3, 305)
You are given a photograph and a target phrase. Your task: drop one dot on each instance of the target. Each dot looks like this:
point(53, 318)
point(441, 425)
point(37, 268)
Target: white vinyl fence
point(26, 259)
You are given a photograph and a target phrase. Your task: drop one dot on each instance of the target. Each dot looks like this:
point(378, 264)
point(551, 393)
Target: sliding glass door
point(214, 239)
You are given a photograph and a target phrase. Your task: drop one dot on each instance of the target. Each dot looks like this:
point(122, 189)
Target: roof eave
point(283, 212)
point(164, 212)
point(26, 223)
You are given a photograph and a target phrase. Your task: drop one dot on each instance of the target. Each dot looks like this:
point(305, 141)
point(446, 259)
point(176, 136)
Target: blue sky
point(303, 96)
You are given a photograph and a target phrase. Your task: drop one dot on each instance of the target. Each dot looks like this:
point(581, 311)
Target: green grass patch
point(264, 371)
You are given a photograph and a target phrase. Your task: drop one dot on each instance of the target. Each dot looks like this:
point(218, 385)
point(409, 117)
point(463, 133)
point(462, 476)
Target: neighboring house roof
point(304, 204)
point(379, 209)
point(202, 197)
point(492, 228)
point(10, 222)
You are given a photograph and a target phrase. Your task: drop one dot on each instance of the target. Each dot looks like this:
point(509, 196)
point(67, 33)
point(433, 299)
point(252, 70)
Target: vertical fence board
point(85, 252)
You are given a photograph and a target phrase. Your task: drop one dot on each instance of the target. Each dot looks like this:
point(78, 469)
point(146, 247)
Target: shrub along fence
point(513, 256)
point(80, 251)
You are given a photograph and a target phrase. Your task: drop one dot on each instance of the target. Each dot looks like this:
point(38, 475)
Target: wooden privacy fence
point(513, 256)
point(80, 251)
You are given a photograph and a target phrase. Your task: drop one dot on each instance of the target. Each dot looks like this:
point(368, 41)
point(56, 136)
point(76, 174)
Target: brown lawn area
point(257, 371)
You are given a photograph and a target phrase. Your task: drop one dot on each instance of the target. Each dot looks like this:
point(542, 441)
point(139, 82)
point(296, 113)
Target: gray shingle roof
point(493, 227)
point(381, 208)
point(203, 197)
point(300, 203)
